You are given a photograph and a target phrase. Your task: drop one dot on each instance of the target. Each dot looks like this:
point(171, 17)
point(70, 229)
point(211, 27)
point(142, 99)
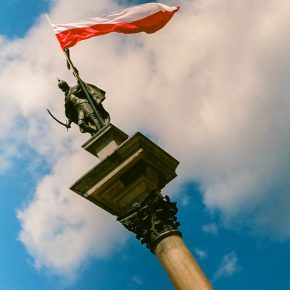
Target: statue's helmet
point(63, 85)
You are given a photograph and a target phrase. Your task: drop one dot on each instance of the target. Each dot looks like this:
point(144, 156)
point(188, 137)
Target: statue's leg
point(96, 122)
point(87, 128)
point(91, 116)
point(84, 123)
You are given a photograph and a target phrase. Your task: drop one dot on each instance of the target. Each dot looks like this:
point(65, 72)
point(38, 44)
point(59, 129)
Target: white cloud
point(201, 253)
point(228, 266)
point(137, 280)
point(61, 229)
point(212, 88)
point(210, 229)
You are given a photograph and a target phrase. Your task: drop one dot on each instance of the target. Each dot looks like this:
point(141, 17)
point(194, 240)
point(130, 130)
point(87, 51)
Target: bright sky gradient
point(212, 88)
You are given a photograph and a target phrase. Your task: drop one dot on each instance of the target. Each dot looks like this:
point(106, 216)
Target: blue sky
point(18, 16)
point(231, 79)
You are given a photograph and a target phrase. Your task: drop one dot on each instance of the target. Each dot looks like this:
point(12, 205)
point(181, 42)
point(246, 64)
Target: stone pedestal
point(127, 183)
point(130, 169)
point(105, 142)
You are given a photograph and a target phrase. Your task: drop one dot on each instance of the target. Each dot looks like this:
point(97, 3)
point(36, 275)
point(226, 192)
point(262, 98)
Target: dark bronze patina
point(152, 220)
point(88, 114)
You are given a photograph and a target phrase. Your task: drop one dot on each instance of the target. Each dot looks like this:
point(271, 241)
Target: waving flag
point(148, 18)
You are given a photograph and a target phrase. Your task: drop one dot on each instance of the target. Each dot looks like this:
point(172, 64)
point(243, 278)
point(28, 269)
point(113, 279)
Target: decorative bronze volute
point(152, 220)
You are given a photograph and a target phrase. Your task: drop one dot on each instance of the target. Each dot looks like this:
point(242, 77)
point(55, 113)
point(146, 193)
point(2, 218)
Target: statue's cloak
point(97, 96)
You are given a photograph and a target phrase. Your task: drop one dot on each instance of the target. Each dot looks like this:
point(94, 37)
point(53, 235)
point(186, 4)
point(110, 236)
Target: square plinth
point(127, 176)
point(105, 141)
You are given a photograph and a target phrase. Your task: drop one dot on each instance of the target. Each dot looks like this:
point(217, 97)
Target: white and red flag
point(148, 18)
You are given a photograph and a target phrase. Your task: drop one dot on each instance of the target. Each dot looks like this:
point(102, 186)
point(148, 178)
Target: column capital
point(152, 220)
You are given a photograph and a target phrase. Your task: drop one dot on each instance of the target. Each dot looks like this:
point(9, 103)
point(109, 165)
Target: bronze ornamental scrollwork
point(152, 220)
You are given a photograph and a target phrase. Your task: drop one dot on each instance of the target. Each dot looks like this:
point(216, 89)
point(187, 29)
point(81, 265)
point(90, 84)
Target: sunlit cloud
point(201, 253)
point(228, 266)
point(210, 229)
point(137, 280)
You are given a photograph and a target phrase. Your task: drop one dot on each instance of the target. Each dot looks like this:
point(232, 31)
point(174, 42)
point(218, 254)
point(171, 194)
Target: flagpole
point(84, 87)
point(80, 81)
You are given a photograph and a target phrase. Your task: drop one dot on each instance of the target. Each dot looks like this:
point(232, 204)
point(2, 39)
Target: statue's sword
point(65, 125)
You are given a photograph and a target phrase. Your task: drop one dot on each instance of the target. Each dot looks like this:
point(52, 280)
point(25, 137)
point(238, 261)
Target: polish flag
point(148, 18)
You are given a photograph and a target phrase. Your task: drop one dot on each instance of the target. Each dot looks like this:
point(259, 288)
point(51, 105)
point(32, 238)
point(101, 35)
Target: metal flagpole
point(81, 83)
point(83, 86)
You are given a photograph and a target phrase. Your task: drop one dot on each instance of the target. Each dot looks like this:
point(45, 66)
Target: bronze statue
point(83, 106)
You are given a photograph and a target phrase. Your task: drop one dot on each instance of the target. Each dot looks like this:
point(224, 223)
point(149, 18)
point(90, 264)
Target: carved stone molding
point(152, 220)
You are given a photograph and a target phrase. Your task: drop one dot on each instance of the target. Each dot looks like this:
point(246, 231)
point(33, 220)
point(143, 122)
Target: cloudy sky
point(212, 88)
